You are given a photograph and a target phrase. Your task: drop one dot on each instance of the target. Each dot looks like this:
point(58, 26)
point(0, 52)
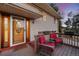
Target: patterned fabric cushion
point(51, 40)
point(53, 35)
point(58, 40)
point(51, 44)
point(42, 39)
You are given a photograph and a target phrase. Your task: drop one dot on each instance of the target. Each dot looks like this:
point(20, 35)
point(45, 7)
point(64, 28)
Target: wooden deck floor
point(65, 50)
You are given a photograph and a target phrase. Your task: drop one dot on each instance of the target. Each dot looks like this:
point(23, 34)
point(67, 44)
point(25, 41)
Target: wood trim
point(8, 31)
point(2, 31)
point(20, 45)
point(28, 30)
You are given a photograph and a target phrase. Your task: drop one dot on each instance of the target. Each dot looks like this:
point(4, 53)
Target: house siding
point(45, 23)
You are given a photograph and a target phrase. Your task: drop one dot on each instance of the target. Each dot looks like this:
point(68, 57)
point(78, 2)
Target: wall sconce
point(44, 18)
point(33, 21)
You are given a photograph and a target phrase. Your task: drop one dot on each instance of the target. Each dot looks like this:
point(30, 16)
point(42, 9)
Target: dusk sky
point(67, 7)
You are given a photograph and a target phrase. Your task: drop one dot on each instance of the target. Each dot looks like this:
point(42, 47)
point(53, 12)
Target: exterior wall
point(45, 23)
point(0, 30)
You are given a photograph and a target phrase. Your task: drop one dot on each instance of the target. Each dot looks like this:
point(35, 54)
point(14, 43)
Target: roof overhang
point(46, 7)
point(16, 10)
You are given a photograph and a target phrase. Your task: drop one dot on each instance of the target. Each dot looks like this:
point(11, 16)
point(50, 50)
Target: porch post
point(11, 31)
point(28, 30)
point(56, 24)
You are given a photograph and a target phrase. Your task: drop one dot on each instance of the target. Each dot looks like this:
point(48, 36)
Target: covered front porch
point(20, 24)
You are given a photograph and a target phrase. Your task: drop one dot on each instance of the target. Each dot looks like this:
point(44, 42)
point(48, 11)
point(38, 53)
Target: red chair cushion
point(58, 40)
point(42, 39)
point(51, 44)
point(53, 35)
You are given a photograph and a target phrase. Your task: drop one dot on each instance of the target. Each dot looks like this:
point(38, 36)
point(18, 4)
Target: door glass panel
point(5, 32)
point(18, 31)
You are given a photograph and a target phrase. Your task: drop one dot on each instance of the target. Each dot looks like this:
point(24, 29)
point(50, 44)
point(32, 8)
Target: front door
point(18, 30)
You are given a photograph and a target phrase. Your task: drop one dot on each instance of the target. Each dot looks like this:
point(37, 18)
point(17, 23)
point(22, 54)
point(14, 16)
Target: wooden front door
point(18, 30)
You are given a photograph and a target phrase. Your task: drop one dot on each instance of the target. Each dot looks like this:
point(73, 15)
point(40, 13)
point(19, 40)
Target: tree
point(68, 23)
point(75, 24)
point(68, 30)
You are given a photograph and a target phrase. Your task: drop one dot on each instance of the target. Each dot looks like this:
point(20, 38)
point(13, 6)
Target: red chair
point(42, 40)
point(57, 40)
point(44, 46)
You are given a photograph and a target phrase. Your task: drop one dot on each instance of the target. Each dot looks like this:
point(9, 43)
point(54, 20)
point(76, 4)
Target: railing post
point(74, 40)
point(77, 41)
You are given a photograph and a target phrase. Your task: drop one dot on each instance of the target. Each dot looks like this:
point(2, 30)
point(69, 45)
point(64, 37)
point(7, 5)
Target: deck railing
point(70, 39)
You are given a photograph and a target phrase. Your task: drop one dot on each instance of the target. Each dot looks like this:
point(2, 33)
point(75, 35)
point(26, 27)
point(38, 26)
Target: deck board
point(77, 52)
point(62, 50)
point(57, 51)
point(65, 50)
point(69, 51)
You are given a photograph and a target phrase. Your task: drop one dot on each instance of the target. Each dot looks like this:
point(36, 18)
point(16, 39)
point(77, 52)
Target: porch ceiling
point(15, 10)
point(48, 9)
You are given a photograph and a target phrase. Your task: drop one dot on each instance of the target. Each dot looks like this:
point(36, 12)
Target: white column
point(25, 30)
point(57, 25)
point(11, 31)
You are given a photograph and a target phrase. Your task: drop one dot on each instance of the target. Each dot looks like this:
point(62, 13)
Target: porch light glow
point(44, 18)
point(6, 28)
